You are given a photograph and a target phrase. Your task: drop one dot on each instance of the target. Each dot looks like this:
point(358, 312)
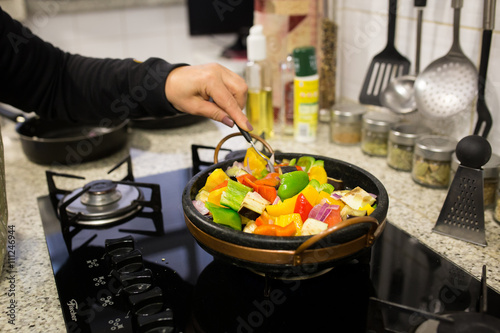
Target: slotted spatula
point(385, 66)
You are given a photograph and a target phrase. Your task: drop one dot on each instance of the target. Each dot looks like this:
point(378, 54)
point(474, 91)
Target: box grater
point(462, 215)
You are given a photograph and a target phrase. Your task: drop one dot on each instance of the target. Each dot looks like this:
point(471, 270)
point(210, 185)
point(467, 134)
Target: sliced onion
point(276, 201)
point(336, 196)
point(200, 207)
point(373, 195)
point(321, 211)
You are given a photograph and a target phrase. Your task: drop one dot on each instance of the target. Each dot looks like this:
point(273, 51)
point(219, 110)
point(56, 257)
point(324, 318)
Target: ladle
point(399, 94)
point(449, 84)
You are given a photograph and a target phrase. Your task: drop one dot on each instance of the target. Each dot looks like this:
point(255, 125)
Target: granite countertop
point(413, 208)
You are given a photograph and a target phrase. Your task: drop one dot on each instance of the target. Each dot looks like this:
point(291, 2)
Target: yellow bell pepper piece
point(214, 196)
point(215, 178)
point(255, 163)
point(369, 209)
point(283, 208)
point(318, 173)
point(310, 193)
point(284, 220)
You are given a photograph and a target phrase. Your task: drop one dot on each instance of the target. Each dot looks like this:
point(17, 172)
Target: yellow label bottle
point(306, 94)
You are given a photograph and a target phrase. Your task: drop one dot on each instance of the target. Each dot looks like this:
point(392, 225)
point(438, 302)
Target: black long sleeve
point(36, 76)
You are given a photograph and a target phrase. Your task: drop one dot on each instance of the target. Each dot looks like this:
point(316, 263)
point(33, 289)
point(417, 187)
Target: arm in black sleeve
point(36, 76)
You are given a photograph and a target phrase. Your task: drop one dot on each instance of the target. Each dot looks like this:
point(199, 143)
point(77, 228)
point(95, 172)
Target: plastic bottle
point(306, 93)
point(258, 76)
point(287, 74)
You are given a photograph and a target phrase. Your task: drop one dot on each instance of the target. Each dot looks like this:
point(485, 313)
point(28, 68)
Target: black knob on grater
point(473, 151)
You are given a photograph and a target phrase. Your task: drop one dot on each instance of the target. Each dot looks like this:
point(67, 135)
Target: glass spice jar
point(432, 160)
point(490, 177)
point(375, 132)
point(496, 212)
point(345, 126)
point(401, 144)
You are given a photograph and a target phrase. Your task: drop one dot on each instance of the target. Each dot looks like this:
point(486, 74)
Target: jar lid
point(407, 133)
point(379, 121)
point(348, 113)
point(491, 169)
point(435, 147)
point(305, 61)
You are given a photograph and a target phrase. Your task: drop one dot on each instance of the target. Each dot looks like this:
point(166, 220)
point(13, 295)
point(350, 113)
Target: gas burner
point(102, 202)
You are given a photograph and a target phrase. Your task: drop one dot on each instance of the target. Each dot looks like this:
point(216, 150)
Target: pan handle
point(11, 115)
point(256, 137)
point(371, 236)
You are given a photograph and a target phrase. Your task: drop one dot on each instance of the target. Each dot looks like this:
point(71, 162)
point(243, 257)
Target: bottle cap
point(256, 44)
point(305, 61)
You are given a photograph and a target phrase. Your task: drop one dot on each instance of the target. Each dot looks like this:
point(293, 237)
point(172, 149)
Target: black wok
point(291, 256)
point(59, 142)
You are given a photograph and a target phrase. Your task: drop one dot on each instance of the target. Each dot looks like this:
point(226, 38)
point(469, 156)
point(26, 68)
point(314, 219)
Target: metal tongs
point(248, 137)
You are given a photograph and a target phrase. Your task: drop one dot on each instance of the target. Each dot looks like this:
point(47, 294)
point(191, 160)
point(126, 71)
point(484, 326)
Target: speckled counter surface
point(29, 283)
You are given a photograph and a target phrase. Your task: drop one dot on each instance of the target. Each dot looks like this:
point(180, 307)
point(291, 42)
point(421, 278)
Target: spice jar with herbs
point(490, 177)
point(402, 137)
point(432, 160)
point(345, 127)
point(375, 132)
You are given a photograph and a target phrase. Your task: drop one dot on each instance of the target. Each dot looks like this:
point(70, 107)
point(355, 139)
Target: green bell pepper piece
point(234, 195)
point(292, 183)
point(224, 216)
point(306, 162)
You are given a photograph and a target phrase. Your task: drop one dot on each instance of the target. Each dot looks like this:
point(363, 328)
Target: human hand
point(210, 90)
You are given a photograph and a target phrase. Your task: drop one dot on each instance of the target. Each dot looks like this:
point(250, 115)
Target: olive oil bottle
point(258, 76)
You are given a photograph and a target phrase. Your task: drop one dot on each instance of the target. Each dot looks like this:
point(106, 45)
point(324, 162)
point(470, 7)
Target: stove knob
point(147, 303)
point(116, 246)
point(127, 262)
point(162, 322)
point(134, 282)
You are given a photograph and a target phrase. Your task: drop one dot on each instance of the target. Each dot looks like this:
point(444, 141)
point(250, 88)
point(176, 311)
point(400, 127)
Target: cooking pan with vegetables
point(300, 254)
point(48, 142)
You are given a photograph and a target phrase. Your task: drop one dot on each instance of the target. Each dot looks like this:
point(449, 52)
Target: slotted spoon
point(385, 66)
point(449, 84)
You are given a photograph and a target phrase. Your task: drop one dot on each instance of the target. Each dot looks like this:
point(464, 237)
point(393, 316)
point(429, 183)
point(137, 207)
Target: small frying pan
point(58, 142)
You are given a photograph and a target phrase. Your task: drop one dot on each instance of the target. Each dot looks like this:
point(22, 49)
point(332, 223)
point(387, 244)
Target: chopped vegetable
point(267, 192)
point(253, 205)
point(215, 178)
point(256, 164)
point(306, 162)
point(234, 195)
point(318, 173)
point(215, 195)
point(292, 183)
point(224, 216)
point(313, 227)
point(357, 198)
point(302, 207)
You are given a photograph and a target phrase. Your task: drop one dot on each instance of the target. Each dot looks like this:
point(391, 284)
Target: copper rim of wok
point(277, 255)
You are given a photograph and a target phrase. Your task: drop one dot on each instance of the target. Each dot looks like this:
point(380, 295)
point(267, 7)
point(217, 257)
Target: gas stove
point(124, 261)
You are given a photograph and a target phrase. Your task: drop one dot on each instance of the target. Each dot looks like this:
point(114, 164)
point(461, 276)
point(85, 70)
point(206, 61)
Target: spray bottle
point(258, 76)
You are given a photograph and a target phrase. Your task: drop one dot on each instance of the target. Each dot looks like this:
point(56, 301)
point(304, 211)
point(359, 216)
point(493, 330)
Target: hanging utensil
point(399, 95)
point(484, 120)
point(385, 66)
point(462, 215)
point(449, 84)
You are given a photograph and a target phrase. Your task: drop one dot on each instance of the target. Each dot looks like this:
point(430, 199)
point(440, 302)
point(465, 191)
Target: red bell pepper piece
point(267, 192)
point(276, 230)
point(248, 180)
point(333, 218)
point(302, 207)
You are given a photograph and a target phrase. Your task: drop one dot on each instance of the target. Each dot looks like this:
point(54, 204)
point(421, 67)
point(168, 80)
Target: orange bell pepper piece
point(214, 196)
point(248, 180)
point(276, 230)
point(271, 179)
point(267, 192)
point(221, 185)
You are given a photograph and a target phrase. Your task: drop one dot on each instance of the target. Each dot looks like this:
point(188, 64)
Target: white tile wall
point(363, 34)
point(163, 32)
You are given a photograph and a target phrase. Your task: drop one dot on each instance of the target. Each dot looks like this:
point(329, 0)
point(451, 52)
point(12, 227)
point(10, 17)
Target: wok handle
point(219, 146)
point(370, 236)
point(16, 117)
